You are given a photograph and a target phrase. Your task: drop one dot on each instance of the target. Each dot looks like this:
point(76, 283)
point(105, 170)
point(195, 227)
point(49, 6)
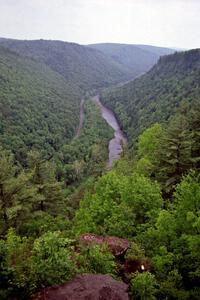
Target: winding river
point(119, 140)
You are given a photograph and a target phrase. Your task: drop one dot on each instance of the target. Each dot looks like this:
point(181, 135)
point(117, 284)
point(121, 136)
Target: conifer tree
point(51, 194)
point(194, 121)
point(174, 154)
point(17, 194)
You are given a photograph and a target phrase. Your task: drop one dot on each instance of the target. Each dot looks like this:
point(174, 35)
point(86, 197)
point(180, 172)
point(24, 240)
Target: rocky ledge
point(116, 245)
point(87, 287)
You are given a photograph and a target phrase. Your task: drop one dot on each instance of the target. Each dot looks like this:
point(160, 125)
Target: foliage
point(143, 286)
point(17, 195)
point(96, 259)
point(121, 205)
point(135, 59)
point(86, 155)
point(174, 241)
point(81, 66)
point(30, 265)
point(149, 141)
point(135, 252)
point(38, 108)
point(156, 96)
point(51, 257)
point(36, 113)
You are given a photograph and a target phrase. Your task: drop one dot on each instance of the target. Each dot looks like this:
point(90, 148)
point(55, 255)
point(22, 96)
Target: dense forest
point(39, 109)
point(136, 59)
point(155, 96)
point(80, 65)
point(89, 67)
point(63, 214)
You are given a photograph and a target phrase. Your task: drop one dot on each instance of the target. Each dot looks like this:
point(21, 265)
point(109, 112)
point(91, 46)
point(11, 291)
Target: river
point(119, 140)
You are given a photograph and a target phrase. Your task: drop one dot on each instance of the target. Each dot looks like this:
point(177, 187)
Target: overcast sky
point(170, 23)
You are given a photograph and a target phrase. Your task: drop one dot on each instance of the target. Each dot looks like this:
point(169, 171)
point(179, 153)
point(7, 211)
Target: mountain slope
point(136, 59)
point(156, 96)
point(80, 65)
point(38, 108)
point(160, 51)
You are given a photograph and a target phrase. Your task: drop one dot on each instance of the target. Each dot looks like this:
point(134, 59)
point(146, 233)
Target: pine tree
point(174, 154)
point(17, 194)
point(50, 191)
point(194, 121)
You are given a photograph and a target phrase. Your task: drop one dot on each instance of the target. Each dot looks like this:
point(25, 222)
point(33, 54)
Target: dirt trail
point(81, 119)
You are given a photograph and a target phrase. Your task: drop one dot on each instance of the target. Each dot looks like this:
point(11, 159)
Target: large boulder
point(116, 245)
point(87, 287)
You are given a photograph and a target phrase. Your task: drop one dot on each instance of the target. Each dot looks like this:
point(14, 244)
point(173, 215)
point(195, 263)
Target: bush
point(143, 286)
point(96, 259)
point(52, 259)
point(26, 265)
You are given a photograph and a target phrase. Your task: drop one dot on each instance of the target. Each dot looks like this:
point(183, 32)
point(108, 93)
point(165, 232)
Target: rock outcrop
point(116, 245)
point(87, 287)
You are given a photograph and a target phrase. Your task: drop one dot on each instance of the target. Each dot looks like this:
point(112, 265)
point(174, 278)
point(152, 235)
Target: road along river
point(116, 144)
point(81, 118)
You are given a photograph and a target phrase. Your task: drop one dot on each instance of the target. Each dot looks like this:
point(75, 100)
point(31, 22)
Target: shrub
point(143, 286)
point(96, 259)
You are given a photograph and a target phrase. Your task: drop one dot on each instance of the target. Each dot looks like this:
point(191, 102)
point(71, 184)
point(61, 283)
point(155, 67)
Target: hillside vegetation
point(41, 84)
point(135, 59)
point(127, 202)
point(38, 108)
point(55, 190)
point(80, 65)
point(156, 96)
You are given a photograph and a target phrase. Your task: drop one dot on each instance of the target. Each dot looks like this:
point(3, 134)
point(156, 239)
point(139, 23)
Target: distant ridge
point(157, 95)
point(80, 65)
point(92, 66)
point(137, 59)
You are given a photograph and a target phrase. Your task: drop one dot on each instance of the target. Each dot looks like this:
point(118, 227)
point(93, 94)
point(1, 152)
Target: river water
point(119, 140)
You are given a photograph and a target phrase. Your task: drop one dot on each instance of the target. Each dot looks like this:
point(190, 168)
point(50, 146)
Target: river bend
point(119, 140)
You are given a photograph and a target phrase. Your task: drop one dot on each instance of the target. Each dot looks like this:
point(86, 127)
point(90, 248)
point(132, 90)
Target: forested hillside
point(136, 59)
point(63, 214)
point(156, 96)
point(125, 226)
point(80, 65)
point(38, 108)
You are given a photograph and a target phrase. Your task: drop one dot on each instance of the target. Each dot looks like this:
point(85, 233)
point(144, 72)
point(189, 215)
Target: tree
point(17, 195)
point(51, 258)
point(194, 121)
point(174, 154)
point(149, 141)
point(121, 205)
point(27, 265)
point(97, 260)
point(50, 191)
point(143, 286)
point(174, 242)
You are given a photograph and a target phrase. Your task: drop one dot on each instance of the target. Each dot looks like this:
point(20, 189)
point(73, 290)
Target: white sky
point(170, 23)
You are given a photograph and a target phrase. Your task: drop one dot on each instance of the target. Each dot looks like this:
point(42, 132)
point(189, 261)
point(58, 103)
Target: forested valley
point(63, 213)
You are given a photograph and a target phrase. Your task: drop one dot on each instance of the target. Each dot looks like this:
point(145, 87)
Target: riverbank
point(116, 144)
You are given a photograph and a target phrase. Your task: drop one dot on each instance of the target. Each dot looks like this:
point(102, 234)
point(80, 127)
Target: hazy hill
point(80, 65)
point(136, 59)
point(156, 96)
point(160, 51)
point(38, 108)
